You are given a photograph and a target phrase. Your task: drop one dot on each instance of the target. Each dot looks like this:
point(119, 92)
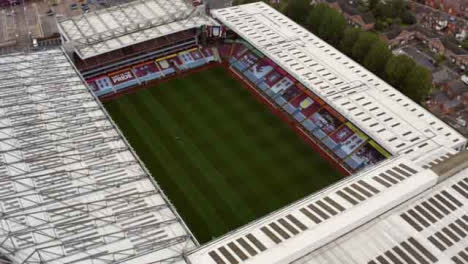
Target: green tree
point(465, 43)
point(372, 4)
point(377, 58)
point(298, 10)
point(408, 18)
point(350, 36)
point(383, 10)
point(397, 7)
point(396, 10)
point(332, 26)
point(417, 84)
point(380, 25)
point(439, 59)
point(363, 44)
point(316, 17)
point(397, 69)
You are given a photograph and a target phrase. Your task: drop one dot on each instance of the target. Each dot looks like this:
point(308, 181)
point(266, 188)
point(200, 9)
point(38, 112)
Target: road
point(22, 26)
point(215, 4)
point(30, 20)
point(460, 19)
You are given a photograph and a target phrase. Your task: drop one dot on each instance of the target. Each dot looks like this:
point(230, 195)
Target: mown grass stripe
point(262, 136)
point(196, 162)
point(217, 148)
point(205, 132)
point(277, 135)
point(244, 144)
point(153, 153)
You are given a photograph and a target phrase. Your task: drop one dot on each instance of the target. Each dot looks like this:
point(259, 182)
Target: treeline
point(367, 48)
point(388, 13)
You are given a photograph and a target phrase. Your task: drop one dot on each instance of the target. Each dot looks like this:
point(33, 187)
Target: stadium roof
point(431, 228)
point(71, 188)
point(397, 123)
point(392, 212)
point(123, 25)
point(319, 219)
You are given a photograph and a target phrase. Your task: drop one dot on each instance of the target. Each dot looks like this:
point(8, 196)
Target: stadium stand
point(403, 209)
point(112, 38)
point(224, 50)
point(141, 52)
point(421, 219)
point(339, 135)
point(431, 228)
point(147, 71)
point(321, 218)
point(350, 147)
point(397, 124)
point(131, 44)
point(72, 189)
point(101, 85)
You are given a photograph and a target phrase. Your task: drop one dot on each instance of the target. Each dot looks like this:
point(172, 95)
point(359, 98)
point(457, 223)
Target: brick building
point(350, 11)
point(452, 7)
point(455, 53)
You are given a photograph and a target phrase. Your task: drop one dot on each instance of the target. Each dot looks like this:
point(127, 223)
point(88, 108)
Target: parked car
point(84, 7)
point(101, 2)
point(34, 43)
point(50, 12)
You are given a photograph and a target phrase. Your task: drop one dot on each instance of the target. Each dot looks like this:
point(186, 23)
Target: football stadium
point(162, 131)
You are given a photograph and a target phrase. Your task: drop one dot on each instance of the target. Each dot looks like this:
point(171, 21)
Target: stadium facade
point(73, 190)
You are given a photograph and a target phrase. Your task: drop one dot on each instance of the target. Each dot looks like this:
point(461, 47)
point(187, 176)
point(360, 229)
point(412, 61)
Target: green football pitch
point(222, 157)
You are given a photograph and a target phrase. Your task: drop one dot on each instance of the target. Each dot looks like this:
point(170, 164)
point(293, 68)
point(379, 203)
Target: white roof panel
point(430, 228)
point(119, 26)
point(319, 219)
point(71, 188)
point(394, 121)
point(337, 224)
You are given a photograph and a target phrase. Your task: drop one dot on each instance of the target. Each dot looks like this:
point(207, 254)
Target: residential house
point(450, 99)
point(455, 53)
point(429, 38)
point(465, 99)
point(443, 22)
point(396, 37)
point(421, 12)
point(350, 11)
point(452, 106)
point(443, 76)
point(462, 118)
point(437, 100)
point(452, 7)
point(455, 88)
point(442, 45)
